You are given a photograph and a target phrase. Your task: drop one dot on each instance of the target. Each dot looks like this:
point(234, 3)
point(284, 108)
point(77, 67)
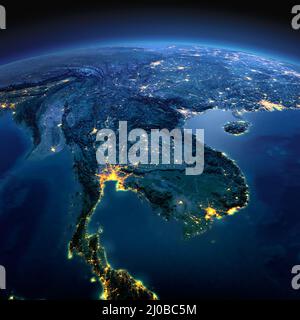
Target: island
point(237, 128)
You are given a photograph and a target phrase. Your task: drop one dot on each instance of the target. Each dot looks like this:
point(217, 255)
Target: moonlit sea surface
point(34, 199)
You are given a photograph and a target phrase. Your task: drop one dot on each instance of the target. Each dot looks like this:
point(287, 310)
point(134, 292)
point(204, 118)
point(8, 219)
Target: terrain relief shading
point(62, 100)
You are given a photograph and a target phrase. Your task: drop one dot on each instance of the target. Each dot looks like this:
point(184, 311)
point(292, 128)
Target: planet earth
point(51, 186)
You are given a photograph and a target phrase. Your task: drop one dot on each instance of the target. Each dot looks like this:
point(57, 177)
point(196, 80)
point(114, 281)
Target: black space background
point(30, 12)
point(29, 23)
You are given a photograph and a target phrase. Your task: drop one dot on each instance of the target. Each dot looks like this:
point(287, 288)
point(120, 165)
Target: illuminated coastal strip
point(211, 213)
point(233, 210)
point(270, 106)
point(11, 106)
point(113, 173)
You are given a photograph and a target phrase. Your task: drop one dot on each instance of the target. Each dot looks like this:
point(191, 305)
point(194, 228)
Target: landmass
point(66, 98)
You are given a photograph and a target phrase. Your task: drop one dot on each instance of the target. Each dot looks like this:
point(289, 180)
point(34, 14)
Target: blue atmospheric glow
point(155, 28)
point(164, 43)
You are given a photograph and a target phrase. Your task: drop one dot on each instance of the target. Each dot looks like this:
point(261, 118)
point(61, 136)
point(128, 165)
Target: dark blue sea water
point(249, 254)
point(36, 223)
